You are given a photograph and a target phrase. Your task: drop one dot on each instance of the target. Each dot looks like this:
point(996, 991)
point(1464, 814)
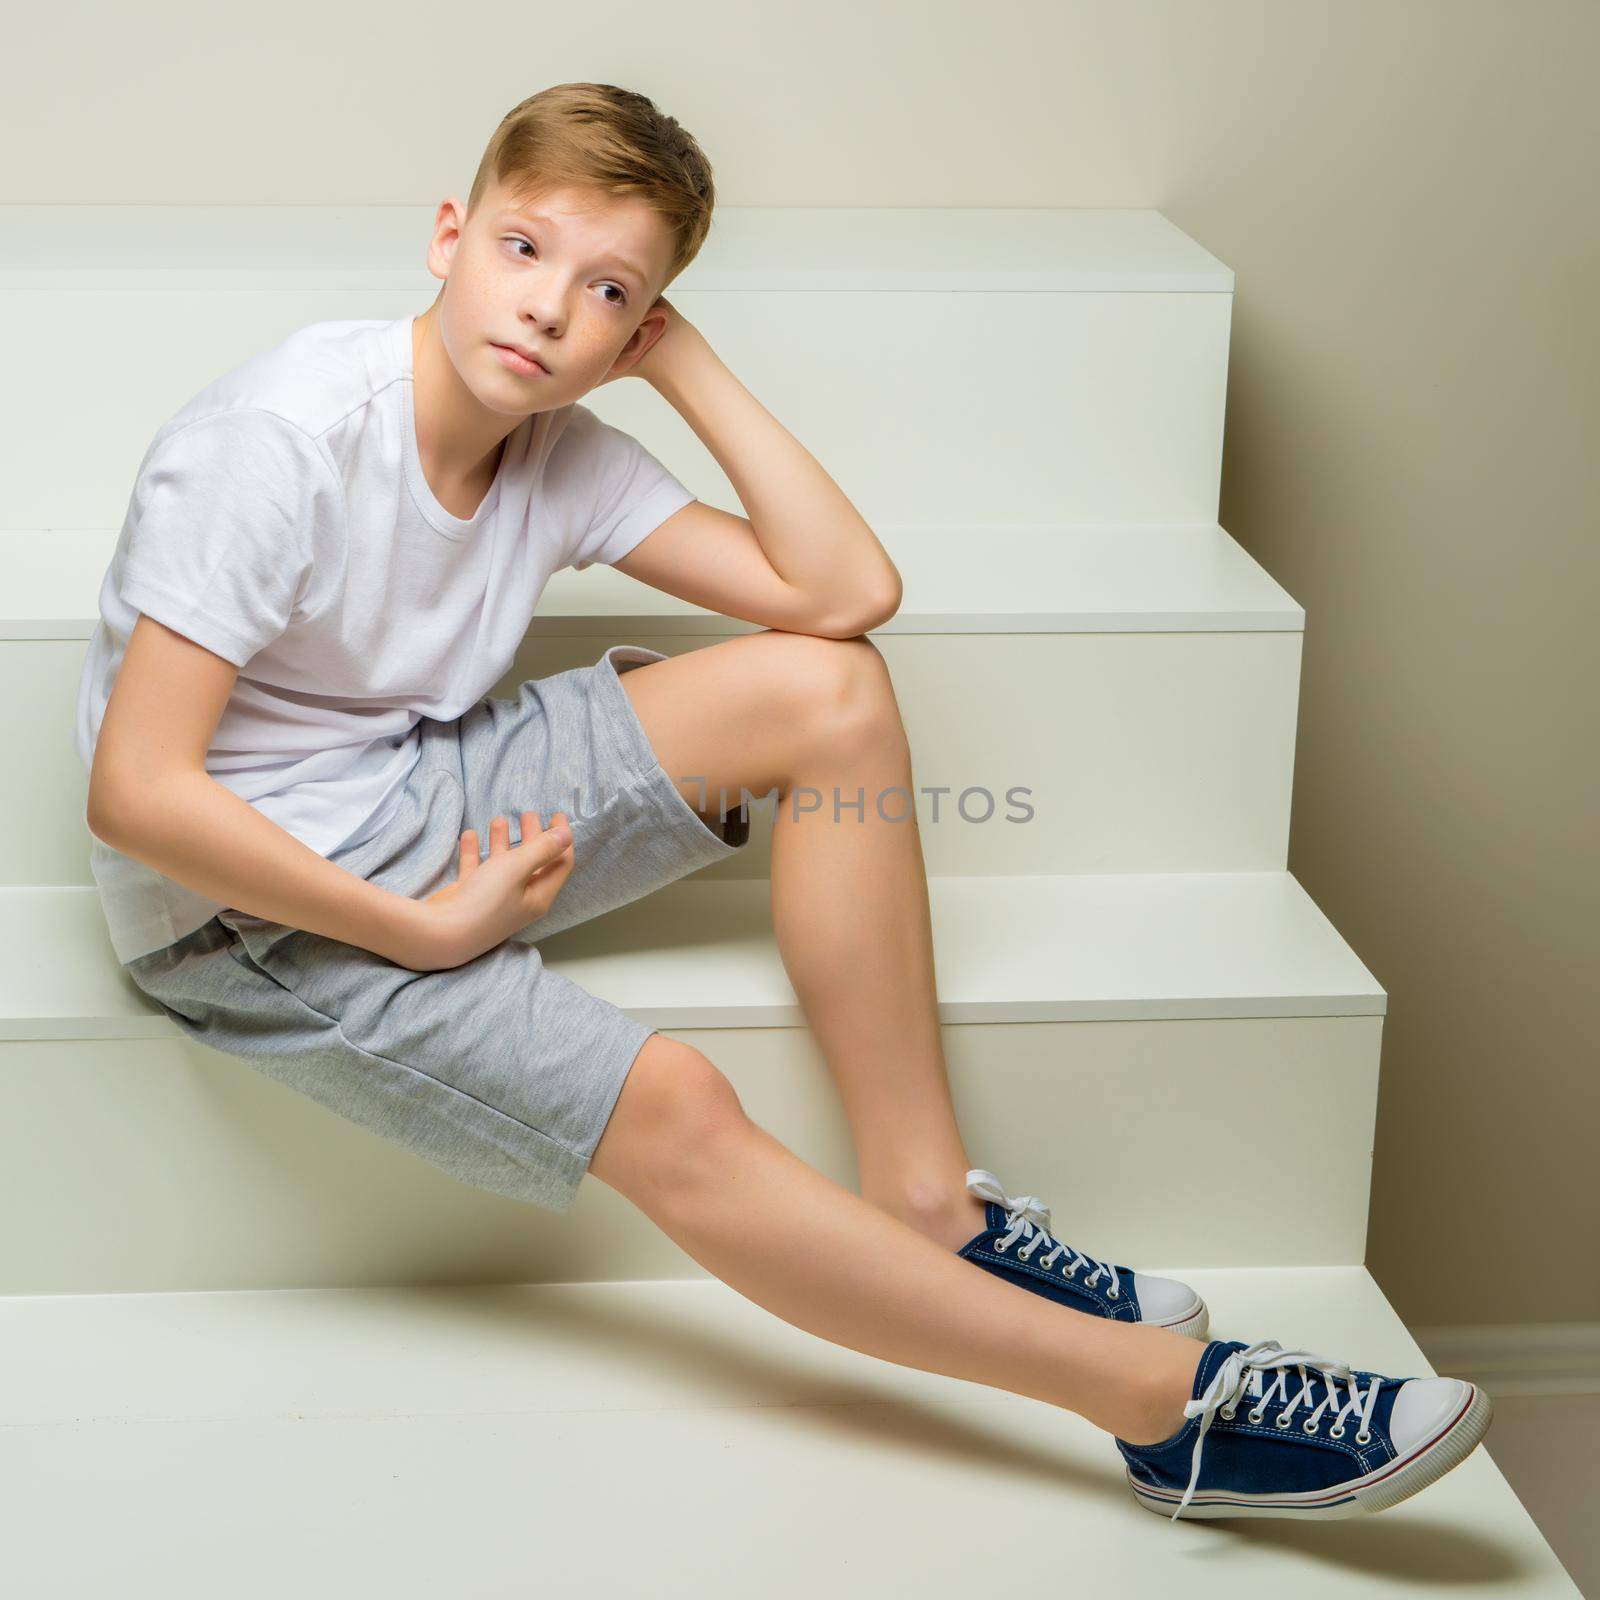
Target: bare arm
point(828, 572)
point(151, 798)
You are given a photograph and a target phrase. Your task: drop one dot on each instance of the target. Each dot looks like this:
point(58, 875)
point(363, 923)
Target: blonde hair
point(597, 136)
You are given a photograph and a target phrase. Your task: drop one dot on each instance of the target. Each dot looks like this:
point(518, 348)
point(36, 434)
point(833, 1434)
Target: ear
point(449, 221)
point(652, 327)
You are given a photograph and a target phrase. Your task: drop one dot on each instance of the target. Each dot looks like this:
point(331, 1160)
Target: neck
point(459, 441)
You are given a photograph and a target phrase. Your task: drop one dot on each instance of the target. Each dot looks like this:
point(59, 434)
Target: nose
point(542, 308)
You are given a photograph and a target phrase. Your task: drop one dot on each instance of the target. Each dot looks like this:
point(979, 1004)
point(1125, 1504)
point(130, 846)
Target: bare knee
point(672, 1120)
point(865, 713)
point(842, 687)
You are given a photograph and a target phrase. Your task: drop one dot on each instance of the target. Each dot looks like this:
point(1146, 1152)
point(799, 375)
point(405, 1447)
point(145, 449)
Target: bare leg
point(750, 1211)
point(850, 912)
point(851, 917)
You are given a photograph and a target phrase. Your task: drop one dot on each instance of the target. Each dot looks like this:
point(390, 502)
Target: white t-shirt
point(282, 520)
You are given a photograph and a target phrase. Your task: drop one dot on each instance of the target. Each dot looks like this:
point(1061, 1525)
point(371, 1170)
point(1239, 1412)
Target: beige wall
point(1407, 194)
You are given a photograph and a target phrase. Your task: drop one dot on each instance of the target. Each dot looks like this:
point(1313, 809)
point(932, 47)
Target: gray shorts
point(498, 1071)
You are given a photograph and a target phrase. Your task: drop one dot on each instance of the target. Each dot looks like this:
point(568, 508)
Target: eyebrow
point(621, 261)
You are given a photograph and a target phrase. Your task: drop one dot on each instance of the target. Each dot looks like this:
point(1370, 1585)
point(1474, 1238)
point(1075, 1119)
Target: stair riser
point(1113, 752)
point(937, 406)
point(158, 1164)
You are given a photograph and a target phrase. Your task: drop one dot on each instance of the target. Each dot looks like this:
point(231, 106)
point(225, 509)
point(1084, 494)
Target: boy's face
point(568, 275)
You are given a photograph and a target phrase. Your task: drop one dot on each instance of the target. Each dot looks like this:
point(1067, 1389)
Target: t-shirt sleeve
point(617, 491)
point(221, 529)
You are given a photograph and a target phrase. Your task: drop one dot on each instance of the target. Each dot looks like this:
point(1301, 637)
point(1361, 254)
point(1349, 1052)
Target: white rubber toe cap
point(1423, 1408)
point(1164, 1299)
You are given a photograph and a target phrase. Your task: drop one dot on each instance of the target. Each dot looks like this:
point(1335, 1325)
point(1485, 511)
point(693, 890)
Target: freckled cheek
point(593, 355)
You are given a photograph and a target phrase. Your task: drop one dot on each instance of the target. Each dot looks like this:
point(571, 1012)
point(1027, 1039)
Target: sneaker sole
point(1192, 1324)
point(1381, 1488)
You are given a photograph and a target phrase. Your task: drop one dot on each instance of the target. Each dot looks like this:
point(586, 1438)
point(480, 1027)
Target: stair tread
point(1006, 578)
point(830, 248)
point(700, 954)
point(665, 1436)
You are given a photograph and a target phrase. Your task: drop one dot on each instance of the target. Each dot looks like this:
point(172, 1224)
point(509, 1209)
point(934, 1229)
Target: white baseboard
point(1511, 1358)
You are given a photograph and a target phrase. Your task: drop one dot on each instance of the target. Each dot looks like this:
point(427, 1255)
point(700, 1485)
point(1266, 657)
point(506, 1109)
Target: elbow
point(98, 818)
point(893, 593)
point(867, 611)
point(107, 813)
point(94, 813)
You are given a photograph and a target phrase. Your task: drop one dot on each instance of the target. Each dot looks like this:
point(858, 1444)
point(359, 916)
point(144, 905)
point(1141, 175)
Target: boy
point(331, 555)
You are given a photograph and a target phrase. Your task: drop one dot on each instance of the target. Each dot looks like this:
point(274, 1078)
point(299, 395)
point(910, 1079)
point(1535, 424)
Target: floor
point(659, 1438)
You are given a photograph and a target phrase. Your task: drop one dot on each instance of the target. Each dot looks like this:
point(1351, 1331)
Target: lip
point(519, 361)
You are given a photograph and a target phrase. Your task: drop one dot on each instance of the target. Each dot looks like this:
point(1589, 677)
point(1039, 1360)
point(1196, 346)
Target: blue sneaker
point(1318, 1441)
point(1016, 1245)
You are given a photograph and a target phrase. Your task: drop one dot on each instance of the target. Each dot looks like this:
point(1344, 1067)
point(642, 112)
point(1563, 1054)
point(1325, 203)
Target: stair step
point(881, 250)
point(1163, 661)
point(700, 954)
point(642, 1438)
point(1171, 1008)
point(981, 578)
point(1105, 332)
point(1088, 1022)
point(1113, 947)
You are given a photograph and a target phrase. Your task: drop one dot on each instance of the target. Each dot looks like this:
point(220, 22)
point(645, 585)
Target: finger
point(541, 847)
point(562, 862)
point(557, 819)
point(560, 820)
point(469, 851)
point(499, 836)
point(533, 829)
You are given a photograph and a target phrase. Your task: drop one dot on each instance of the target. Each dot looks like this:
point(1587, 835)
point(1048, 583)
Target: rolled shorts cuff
point(725, 834)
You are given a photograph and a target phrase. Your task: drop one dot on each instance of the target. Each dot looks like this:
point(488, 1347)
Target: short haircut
point(597, 136)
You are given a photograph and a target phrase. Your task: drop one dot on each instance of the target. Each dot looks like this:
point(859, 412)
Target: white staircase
point(424, 1388)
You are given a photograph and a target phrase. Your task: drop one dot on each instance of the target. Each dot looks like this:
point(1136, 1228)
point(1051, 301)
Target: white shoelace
point(1248, 1368)
point(1028, 1217)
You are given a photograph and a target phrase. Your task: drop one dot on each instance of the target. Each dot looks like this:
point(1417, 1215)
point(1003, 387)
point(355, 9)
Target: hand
point(661, 355)
point(491, 899)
